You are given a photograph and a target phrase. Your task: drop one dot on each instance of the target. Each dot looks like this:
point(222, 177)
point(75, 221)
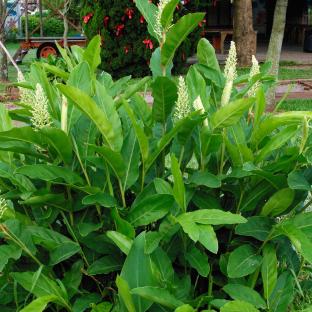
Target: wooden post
point(41, 19)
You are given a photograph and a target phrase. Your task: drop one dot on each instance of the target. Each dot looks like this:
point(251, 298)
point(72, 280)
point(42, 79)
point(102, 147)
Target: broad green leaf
point(85, 301)
point(300, 241)
point(244, 293)
point(243, 261)
point(178, 186)
point(105, 265)
point(51, 173)
point(206, 54)
point(113, 159)
point(257, 227)
point(259, 106)
point(157, 295)
point(8, 252)
point(283, 293)
point(122, 226)
point(55, 71)
point(177, 34)
point(205, 179)
point(39, 304)
point(164, 273)
point(102, 199)
point(269, 270)
point(152, 240)
point(198, 261)
point(142, 138)
point(184, 308)
point(278, 202)
point(149, 11)
point(123, 242)
point(297, 181)
point(303, 222)
point(102, 307)
point(151, 209)
point(137, 271)
point(87, 105)
point(63, 252)
point(124, 293)
point(72, 278)
point(230, 114)
point(167, 13)
point(5, 125)
point(92, 53)
point(196, 85)
point(107, 105)
point(238, 306)
point(213, 76)
point(277, 141)
point(155, 65)
point(162, 186)
point(208, 237)
point(191, 229)
point(164, 92)
point(212, 217)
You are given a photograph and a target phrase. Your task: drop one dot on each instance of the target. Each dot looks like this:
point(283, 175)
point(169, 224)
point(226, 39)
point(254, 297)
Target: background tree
point(276, 42)
point(244, 35)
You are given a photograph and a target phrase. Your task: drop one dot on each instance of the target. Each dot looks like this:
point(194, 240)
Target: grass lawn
point(296, 105)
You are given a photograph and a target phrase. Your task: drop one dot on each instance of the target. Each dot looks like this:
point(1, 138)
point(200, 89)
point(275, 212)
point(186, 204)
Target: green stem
point(222, 154)
point(122, 192)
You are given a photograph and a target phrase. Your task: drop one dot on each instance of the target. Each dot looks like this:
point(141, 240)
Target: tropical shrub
point(197, 203)
point(127, 45)
point(52, 26)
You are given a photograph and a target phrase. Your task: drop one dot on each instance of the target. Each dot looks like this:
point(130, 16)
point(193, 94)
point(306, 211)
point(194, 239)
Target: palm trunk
point(244, 35)
point(276, 42)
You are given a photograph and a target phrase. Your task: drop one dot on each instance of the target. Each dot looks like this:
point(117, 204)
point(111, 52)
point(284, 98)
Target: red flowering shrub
point(127, 46)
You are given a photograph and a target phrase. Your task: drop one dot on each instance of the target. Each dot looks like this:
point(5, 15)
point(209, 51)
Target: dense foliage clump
point(196, 203)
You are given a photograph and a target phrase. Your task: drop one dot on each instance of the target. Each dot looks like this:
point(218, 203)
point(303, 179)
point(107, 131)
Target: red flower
point(87, 18)
point(106, 20)
point(142, 19)
point(119, 28)
point(126, 49)
point(148, 44)
point(129, 12)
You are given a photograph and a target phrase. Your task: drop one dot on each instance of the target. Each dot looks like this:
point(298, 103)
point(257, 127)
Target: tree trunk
point(4, 60)
point(244, 35)
point(65, 12)
point(276, 42)
point(41, 18)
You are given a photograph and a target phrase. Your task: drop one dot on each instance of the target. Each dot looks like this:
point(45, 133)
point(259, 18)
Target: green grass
point(296, 105)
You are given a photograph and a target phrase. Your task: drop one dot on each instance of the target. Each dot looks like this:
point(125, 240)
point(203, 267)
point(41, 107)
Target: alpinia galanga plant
point(193, 204)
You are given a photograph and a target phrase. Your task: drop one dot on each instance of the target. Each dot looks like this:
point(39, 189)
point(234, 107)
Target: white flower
point(198, 106)
point(40, 114)
point(26, 95)
point(230, 74)
point(231, 63)
point(3, 207)
point(255, 69)
point(182, 108)
point(158, 27)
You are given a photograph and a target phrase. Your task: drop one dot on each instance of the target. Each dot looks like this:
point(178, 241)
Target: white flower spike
point(26, 95)
point(40, 114)
point(198, 106)
point(182, 108)
point(255, 69)
point(158, 27)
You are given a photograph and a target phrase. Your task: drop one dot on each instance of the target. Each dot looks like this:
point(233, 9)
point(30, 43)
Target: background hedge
point(127, 46)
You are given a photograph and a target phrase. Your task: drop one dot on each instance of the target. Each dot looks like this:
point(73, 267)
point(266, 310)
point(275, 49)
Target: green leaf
point(92, 54)
point(257, 227)
point(107, 105)
point(5, 125)
point(212, 217)
point(164, 92)
point(8, 252)
point(206, 54)
point(123, 242)
point(150, 209)
point(155, 65)
point(244, 293)
point(149, 11)
point(243, 261)
point(87, 105)
point(137, 271)
point(297, 181)
point(51, 173)
point(283, 293)
point(198, 261)
point(157, 295)
point(124, 293)
point(196, 85)
point(122, 225)
point(213, 76)
point(230, 114)
point(303, 222)
point(72, 278)
point(55, 71)
point(152, 240)
point(205, 179)
point(105, 265)
point(269, 270)
point(63, 252)
point(85, 301)
point(208, 238)
point(102, 199)
point(259, 106)
point(178, 186)
point(39, 304)
point(167, 13)
point(278, 202)
point(177, 34)
point(184, 308)
point(238, 306)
